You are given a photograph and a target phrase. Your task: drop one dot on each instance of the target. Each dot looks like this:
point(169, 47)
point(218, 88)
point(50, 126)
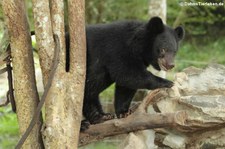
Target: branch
point(139, 120)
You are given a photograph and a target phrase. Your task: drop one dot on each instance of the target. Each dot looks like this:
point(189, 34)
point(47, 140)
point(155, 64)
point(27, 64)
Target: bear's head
point(162, 44)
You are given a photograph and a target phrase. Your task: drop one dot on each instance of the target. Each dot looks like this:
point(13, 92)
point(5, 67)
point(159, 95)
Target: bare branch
point(150, 99)
point(134, 122)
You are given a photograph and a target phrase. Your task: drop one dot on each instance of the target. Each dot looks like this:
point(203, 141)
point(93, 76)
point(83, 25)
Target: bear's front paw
point(167, 84)
point(100, 118)
point(107, 116)
point(124, 115)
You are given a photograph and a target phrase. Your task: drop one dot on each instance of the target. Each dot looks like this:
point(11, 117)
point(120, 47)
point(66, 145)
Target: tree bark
point(25, 89)
point(44, 36)
point(65, 98)
point(58, 26)
point(158, 8)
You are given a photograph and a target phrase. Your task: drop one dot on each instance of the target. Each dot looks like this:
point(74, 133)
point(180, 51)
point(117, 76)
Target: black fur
point(120, 52)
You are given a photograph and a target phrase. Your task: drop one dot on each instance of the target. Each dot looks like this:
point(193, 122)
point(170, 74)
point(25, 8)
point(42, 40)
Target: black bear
point(120, 53)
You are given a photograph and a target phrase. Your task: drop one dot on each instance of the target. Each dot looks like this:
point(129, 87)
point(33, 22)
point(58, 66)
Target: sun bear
point(120, 53)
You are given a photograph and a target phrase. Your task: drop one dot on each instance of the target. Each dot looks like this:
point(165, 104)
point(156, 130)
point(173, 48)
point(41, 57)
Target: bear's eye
point(162, 52)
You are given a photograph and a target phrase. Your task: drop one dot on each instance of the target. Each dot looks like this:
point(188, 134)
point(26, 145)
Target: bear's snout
point(170, 66)
point(165, 64)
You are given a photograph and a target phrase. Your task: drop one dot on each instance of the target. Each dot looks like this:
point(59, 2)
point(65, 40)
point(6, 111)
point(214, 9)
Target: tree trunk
point(157, 8)
point(26, 95)
point(44, 36)
point(58, 26)
point(65, 98)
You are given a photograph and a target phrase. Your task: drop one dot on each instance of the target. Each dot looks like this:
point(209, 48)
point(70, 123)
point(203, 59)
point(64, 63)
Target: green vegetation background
point(204, 42)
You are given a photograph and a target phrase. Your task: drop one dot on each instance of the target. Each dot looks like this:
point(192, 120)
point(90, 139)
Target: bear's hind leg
point(93, 112)
point(105, 116)
point(123, 98)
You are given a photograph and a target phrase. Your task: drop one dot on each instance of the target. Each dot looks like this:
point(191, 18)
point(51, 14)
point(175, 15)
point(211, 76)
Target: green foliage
point(200, 55)
point(8, 128)
point(30, 14)
point(106, 11)
point(198, 20)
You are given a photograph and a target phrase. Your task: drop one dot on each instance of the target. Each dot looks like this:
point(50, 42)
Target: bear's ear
point(155, 25)
point(180, 32)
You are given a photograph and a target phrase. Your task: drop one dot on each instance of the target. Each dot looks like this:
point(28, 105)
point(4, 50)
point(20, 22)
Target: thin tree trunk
point(78, 59)
point(25, 89)
point(44, 36)
point(158, 8)
point(58, 26)
point(65, 98)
